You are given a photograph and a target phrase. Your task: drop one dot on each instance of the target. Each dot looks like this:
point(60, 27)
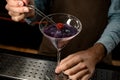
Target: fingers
point(86, 77)
point(66, 59)
point(12, 2)
point(75, 69)
point(64, 66)
point(13, 13)
point(17, 14)
point(79, 75)
point(78, 72)
point(17, 10)
point(18, 18)
point(17, 6)
point(67, 63)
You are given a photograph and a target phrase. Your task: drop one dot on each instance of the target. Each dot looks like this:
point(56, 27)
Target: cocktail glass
point(52, 27)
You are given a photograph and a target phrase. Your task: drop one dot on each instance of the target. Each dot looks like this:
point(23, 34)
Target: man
point(87, 49)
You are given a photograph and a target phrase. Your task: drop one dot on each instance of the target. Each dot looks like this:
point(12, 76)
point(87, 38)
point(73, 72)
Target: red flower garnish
point(59, 25)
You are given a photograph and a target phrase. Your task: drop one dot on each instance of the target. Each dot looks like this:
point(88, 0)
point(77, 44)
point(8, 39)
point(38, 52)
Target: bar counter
point(25, 64)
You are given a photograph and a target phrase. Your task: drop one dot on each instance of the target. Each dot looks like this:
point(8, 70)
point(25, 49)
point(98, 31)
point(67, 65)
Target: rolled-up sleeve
point(111, 35)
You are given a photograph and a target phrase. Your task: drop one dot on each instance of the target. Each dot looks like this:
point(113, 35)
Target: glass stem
point(58, 57)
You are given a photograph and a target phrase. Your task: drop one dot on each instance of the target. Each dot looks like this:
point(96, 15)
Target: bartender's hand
point(81, 65)
point(18, 10)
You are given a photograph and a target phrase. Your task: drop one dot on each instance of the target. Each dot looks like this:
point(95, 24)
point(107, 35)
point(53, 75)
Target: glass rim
point(61, 14)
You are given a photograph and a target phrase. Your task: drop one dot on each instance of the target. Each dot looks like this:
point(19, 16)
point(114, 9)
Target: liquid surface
point(60, 30)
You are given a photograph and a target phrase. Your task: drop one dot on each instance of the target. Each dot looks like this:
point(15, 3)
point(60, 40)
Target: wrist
point(100, 50)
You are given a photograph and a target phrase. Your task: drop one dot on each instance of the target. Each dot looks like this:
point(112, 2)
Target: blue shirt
point(111, 35)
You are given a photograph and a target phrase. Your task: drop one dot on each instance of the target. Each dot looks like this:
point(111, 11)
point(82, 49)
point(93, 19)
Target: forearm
point(111, 36)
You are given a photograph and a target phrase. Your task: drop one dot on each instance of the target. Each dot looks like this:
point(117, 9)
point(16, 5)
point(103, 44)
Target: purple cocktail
point(60, 30)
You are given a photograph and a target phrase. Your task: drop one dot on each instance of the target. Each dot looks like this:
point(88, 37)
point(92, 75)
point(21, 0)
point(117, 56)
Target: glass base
point(60, 76)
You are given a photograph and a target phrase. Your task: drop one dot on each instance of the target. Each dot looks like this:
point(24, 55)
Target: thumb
point(26, 2)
